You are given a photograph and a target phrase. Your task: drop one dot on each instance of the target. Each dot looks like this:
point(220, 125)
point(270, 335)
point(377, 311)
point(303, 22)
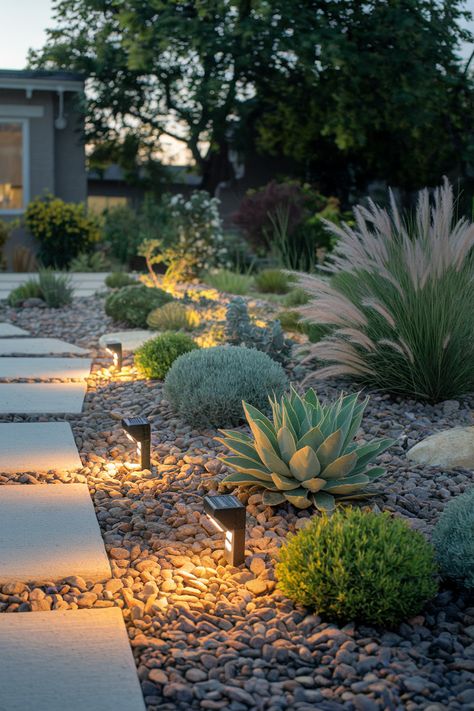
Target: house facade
point(40, 142)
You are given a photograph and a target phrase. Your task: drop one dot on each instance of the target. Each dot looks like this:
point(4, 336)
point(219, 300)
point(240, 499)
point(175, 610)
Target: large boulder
point(448, 449)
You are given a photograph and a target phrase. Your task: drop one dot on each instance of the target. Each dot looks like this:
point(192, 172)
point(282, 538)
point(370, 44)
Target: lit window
point(11, 165)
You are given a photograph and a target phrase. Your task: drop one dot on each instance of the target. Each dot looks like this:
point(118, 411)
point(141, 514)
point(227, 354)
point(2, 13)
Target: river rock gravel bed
point(208, 636)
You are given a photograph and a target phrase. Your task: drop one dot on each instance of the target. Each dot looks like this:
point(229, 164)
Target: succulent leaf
point(304, 464)
point(236, 434)
point(282, 482)
point(347, 486)
point(240, 448)
point(313, 438)
point(340, 467)
point(330, 448)
point(324, 502)
point(299, 498)
point(243, 478)
point(286, 443)
point(314, 484)
point(242, 464)
point(274, 463)
point(273, 498)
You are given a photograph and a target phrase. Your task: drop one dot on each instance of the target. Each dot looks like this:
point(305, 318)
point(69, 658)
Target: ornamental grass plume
point(400, 300)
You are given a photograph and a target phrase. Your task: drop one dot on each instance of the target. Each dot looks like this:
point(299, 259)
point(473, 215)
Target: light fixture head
point(229, 515)
point(139, 430)
point(115, 349)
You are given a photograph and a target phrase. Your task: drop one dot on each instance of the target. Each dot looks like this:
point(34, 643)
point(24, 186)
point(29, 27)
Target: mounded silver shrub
point(453, 538)
point(206, 387)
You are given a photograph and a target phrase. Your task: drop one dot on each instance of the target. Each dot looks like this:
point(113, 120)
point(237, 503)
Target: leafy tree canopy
point(346, 88)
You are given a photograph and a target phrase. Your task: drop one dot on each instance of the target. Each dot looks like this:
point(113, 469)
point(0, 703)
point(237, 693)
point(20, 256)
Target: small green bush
point(207, 387)
point(296, 297)
point(63, 229)
point(453, 538)
point(173, 317)
point(359, 566)
point(132, 304)
point(272, 281)
point(155, 357)
point(89, 262)
point(240, 331)
point(56, 289)
point(116, 280)
point(230, 282)
point(28, 290)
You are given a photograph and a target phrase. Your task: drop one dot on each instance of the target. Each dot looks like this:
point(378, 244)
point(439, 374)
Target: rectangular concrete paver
point(8, 329)
point(42, 398)
point(37, 347)
point(49, 532)
point(67, 660)
point(37, 447)
point(45, 368)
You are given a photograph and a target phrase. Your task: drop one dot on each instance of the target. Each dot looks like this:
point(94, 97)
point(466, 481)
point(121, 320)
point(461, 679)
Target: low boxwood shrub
point(453, 538)
point(173, 317)
point(132, 304)
point(359, 566)
point(206, 387)
point(272, 281)
point(116, 280)
point(155, 357)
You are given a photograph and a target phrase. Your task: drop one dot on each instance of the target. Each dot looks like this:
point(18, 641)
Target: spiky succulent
point(307, 454)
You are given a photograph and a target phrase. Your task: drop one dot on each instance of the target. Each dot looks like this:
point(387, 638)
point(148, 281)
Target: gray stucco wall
point(56, 157)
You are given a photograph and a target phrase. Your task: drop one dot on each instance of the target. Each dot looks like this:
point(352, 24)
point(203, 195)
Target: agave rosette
point(307, 455)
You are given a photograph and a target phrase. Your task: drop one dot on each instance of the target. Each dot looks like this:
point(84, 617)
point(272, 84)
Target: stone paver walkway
point(37, 447)
point(38, 347)
point(8, 329)
point(67, 661)
point(42, 398)
point(44, 368)
point(84, 283)
point(50, 532)
point(79, 660)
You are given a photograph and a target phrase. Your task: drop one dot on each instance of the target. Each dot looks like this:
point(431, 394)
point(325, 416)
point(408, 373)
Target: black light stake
point(228, 515)
point(138, 430)
point(115, 349)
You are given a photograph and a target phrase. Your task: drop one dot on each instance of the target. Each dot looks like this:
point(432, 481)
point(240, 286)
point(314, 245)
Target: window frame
point(25, 164)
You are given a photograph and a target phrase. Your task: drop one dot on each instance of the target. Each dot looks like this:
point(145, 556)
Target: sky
point(23, 22)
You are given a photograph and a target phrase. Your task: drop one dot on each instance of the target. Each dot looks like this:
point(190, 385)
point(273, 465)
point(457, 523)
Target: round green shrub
point(155, 357)
point(359, 566)
point(116, 280)
point(132, 304)
point(453, 538)
point(207, 387)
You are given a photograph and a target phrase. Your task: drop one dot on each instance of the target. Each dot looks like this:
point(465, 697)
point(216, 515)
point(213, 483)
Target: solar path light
point(115, 349)
point(228, 515)
point(138, 430)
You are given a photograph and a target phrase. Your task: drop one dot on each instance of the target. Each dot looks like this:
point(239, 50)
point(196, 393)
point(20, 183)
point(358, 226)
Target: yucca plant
point(306, 455)
point(400, 304)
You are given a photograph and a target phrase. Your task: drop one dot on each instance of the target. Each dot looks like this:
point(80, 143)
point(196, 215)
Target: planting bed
point(208, 636)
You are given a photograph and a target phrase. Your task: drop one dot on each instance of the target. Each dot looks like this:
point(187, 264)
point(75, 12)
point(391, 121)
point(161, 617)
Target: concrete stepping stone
point(37, 447)
point(8, 329)
point(67, 660)
point(42, 398)
point(130, 340)
point(45, 368)
point(37, 346)
point(49, 532)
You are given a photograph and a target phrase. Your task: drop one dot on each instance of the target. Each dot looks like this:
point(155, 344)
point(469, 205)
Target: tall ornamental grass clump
point(400, 304)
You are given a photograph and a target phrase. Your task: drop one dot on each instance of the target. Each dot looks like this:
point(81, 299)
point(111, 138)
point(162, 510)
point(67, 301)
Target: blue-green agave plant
point(307, 454)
